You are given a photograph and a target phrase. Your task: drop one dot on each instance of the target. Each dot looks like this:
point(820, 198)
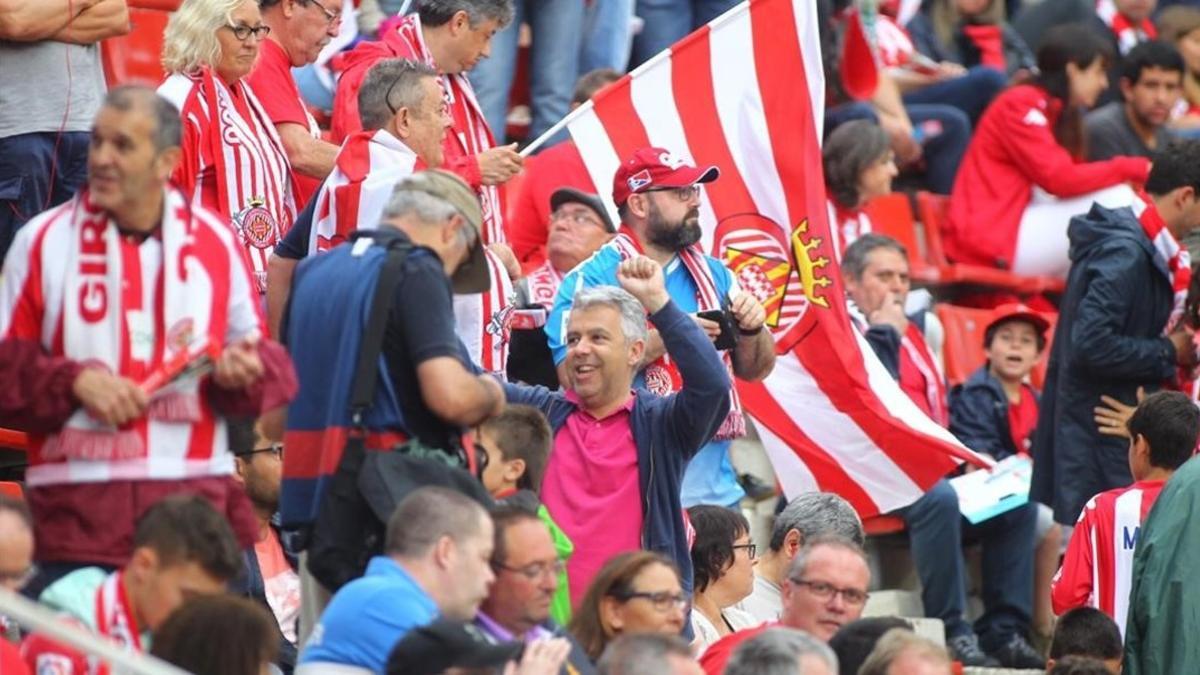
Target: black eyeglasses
point(751, 549)
point(275, 449)
point(330, 17)
point(683, 194)
point(825, 592)
point(242, 31)
point(663, 601)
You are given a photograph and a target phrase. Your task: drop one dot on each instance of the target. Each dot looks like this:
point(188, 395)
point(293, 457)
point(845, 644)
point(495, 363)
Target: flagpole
point(558, 126)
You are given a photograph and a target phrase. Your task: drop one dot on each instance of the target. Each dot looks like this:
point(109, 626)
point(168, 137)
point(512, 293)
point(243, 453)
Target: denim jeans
point(25, 176)
point(936, 531)
point(970, 93)
point(666, 21)
point(606, 37)
point(553, 63)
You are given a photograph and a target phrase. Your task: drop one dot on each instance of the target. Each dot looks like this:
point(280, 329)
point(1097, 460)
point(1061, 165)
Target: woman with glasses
point(723, 560)
point(635, 592)
point(233, 160)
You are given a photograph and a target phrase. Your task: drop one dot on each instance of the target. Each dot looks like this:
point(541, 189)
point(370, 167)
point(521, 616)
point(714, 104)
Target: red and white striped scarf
point(97, 328)
point(1128, 34)
point(115, 619)
point(662, 376)
point(1167, 250)
point(368, 166)
point(254, 184)
point(543, 285)
point(846, 225)
point(918, 354)
point(470, 126)
point(484, 320)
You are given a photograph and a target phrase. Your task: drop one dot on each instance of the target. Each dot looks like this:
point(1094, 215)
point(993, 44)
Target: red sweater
point(1013, 150)
point(529, 227)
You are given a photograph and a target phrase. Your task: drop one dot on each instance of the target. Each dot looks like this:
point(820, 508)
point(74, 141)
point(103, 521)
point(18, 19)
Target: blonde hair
point(190, 40)
point(945, 17)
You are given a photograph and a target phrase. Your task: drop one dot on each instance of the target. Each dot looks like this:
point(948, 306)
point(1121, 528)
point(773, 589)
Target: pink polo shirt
point(591, 490)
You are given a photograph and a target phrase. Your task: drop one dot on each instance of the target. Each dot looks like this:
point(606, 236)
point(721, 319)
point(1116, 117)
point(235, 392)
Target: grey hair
point(633, 316)
point(777, 651)
point(390, 85)
point(439, 12)
point(895, 642)
point(642, 654)
point(854, 260)
point(800, 562)
point(190, 40)
point(421, 206)
point(816, 514)
point(168, 126)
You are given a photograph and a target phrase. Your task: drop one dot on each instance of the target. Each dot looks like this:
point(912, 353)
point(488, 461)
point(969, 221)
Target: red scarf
point(1128, 34)
point(543, 285)
point(662, 376)
point(1167, 251)
point(915, 354)
point(114, 617)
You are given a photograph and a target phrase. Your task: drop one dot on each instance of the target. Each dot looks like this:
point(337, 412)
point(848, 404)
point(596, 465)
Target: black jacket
point(252, 586)
point(1109, 340)
point(1017, 55)
point(979, 415)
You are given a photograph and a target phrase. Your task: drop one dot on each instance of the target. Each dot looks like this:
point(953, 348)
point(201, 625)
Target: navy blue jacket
point(979, 415)
point(668, 430)
point(1108, 340)
point(1017, 55)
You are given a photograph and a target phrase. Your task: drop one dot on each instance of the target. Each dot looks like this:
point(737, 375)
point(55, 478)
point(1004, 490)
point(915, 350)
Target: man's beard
point(672, 236)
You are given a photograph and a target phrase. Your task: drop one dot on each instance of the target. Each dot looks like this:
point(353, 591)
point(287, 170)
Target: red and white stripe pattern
point(96, 297)
point(354, 195)
point(484, 320)
point(1174, 257)
point(846, 225)
point(253, 175)
point(1097, 570)
point(746, 93)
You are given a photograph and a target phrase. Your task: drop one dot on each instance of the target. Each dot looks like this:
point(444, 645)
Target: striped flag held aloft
point(746, 93)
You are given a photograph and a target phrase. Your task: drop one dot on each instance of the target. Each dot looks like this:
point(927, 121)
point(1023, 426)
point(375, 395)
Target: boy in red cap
point(995, 412)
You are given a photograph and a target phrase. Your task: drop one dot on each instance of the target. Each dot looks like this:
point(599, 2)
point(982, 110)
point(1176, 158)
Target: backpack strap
point(362, 388)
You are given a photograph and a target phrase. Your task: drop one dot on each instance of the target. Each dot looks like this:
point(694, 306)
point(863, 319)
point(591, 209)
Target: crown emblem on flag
point(811, 269)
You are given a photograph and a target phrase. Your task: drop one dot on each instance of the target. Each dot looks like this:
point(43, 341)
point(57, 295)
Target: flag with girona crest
point(746, 93)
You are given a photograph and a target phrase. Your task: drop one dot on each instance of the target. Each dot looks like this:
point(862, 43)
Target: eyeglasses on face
point(825, 592)
point(330, 17)
point(751, 549)
point(243, 32)
point(663, 601)
point(683, 194)
point(276, 449)
point(534, 571)
point(576, 218)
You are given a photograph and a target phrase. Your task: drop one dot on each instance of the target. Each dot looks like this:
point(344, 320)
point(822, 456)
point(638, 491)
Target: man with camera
point(658, 199)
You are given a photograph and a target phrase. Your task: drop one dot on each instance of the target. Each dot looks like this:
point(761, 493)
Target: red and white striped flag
point(746, 93)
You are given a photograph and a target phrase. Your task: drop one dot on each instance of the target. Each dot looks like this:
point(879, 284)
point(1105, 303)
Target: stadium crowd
point(316, 371)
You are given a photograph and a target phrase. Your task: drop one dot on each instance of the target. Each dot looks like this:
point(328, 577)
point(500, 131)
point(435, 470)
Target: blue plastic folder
point(986, 494)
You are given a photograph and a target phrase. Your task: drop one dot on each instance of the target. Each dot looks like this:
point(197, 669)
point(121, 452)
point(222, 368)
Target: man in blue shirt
point(436, 562)
point(658, 199)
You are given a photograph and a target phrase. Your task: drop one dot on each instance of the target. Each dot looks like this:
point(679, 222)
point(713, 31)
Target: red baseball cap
point(652, 168)
point(1021, 311)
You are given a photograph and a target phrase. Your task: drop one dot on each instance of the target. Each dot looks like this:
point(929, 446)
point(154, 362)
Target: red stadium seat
point(877, 526)
point(932, 210)
point(893, 215)
point(135, 58)
point(12, 489)
point(17, 440)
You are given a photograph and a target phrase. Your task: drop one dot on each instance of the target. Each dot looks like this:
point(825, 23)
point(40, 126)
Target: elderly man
point(826, 588)
point(451, 36)
point(299, 30)
point(811, 515)
point(434, 563)
point(783, 650)
point(875, 270)
point(527, 567)
point(648, 654)
point(404, 125)
point(432, 394)
point(658, 199)
point(105, 300)
point(613, 480)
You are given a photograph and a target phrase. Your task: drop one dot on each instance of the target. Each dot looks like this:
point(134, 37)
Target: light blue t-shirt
point(368, 616)
point(710, 477)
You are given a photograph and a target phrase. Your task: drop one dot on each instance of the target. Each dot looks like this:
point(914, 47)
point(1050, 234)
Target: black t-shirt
point(294, 245)
point(420, 328)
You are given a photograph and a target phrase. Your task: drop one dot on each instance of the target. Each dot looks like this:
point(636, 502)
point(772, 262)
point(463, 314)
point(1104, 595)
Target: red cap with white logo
point(655, 168)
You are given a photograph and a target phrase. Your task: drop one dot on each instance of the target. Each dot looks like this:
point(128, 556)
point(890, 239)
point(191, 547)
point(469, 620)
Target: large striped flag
point(746, 93)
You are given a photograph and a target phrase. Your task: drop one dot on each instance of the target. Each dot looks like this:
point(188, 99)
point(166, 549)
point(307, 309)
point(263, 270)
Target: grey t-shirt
point(35, 87)
point(1109, 134)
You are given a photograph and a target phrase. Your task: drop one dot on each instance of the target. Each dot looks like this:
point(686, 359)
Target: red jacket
point(529, 227)
point(1013, 150)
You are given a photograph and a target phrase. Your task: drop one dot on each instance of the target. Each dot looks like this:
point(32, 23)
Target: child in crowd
point(1086, 632)
point(1097, 567)
point(513, 448)
point(995, 412)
